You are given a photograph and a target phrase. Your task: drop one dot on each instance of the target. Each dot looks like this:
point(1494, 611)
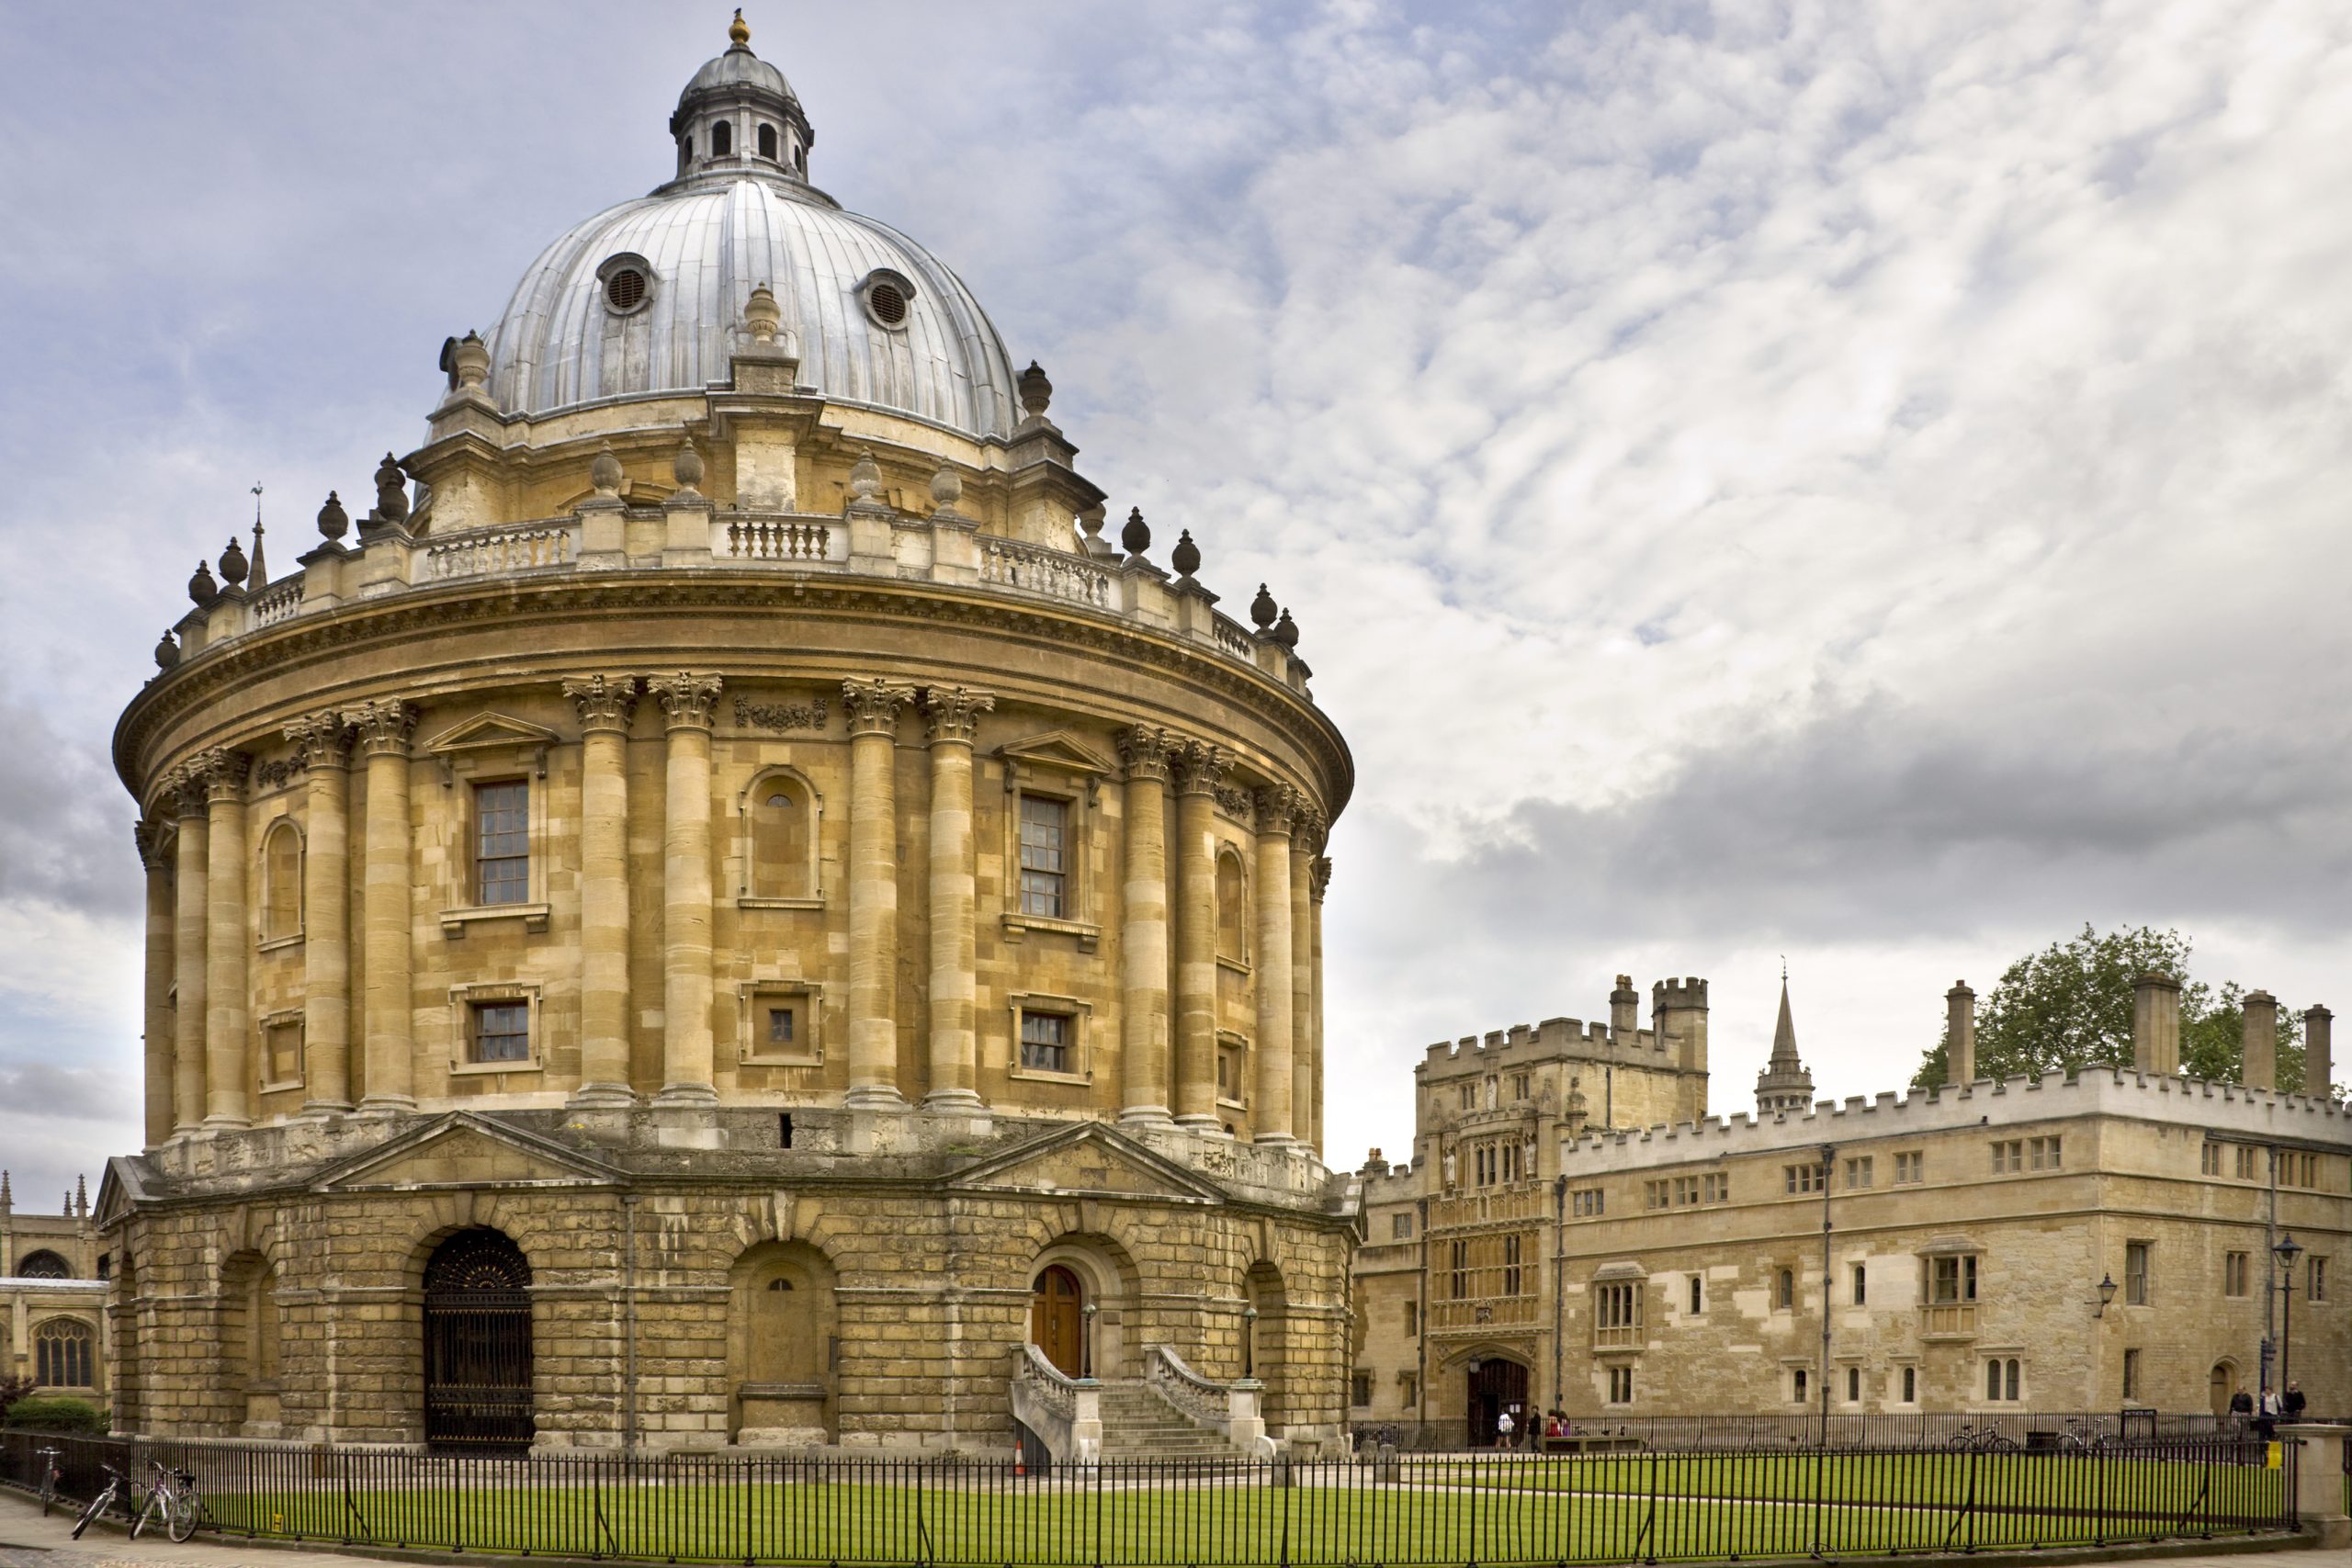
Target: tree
point(2069, 1007)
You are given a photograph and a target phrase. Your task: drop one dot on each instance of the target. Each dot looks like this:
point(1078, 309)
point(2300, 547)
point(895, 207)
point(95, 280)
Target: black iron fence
point(1430, 1508)
point(1920, 1429)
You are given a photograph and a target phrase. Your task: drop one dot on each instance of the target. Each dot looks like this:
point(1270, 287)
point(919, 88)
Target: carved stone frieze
point(687, 698)
point(279, 772)
point(953, 713)
point(872, 706)
point(605, 702)
point(781, 717)
point(1235, 801)
point(383, 725)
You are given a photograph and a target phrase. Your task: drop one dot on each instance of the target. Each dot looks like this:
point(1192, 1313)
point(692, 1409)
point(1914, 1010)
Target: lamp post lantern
point(2105, 1293)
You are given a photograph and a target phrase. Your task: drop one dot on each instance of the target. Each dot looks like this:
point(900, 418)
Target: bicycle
point(2074, 1439)
point(50, 1476)
point(116, 1485)
point(1982, 1439)
point(173, 1495)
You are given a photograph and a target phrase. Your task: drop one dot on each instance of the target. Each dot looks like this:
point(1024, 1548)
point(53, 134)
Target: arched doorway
point(2223, 1383)
point(478, 1344)
point(1495, 1385)
point(1057, 1319)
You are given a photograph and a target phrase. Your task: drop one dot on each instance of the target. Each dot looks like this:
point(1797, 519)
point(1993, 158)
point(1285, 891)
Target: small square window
point(781, 1032)
point(1046, 1041)
point(1621, 1385)
point(1400, 1227)
point(502, 1032)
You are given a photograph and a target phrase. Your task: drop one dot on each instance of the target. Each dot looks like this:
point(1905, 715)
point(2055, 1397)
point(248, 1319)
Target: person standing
point(2265, 1416)
point(2292, 1402)
point(1503, 1428)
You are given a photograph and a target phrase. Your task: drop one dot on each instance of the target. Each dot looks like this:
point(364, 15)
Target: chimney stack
point(2261, 1068)
point(1959, 1036)
point(1625, 1011)
point(2318, 1064)
point(2155, 1025)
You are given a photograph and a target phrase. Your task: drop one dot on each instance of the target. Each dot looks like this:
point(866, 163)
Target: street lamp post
point(1249, 1341)
point(1089, 1309)
point(2288, 1251)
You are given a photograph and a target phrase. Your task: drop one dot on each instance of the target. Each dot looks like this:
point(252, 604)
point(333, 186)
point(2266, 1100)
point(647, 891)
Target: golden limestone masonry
point(722, 910)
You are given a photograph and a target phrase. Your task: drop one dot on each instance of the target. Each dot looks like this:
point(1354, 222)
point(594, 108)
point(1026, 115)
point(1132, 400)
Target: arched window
point(1232, 909)
point(722, 140)
point(767, 142)
point(281, 882)
point(63, 1354)
point(780, 828)
point(1785, 1291)
point(43, 1265)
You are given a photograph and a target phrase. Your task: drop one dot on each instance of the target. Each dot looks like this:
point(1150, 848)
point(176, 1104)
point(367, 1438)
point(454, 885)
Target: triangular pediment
point(464, 1150)
point(491, 729)
point(1089, 1162)
point(1056, 749)
point(120, 1187)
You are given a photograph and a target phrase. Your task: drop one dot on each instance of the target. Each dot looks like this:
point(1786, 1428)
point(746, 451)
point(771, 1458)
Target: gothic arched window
point(63, 1353)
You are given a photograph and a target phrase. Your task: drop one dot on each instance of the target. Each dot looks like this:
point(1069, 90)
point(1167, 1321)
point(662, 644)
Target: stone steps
point(1138, 1424)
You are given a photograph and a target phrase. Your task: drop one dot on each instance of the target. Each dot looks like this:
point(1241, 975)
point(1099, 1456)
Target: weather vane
point(256, 505)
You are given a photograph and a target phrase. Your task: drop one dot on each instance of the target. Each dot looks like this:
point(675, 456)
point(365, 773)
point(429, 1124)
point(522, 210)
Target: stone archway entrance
point(2223, 1383)
point(1495, 1385)
point(478, 1344)
point(1057, 1319)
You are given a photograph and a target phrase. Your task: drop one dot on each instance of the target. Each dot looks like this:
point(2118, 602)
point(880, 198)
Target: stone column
point(2319, 1056)
point(952, 714)
point(872, 709)
point(1959, 1036)
point(326, 742)
point(2155, 1025)
point(228, 997)
point(1143, 933)
point(189, 901)
point(686, 889)
point(1270, 1118)
point(1322, 879)
point(1307, 835)
point(158, 1043)
point(1202, 768)
point(2261, 1037)
point(387, 1008)
point(607, 702)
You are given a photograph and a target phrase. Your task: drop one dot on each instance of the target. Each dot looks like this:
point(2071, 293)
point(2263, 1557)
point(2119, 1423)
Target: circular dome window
point(627, 281)
point(888, 298)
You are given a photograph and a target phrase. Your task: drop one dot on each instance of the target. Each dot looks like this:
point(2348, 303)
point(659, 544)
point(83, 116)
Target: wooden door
point(1056, 1325)
point(1497, 1385)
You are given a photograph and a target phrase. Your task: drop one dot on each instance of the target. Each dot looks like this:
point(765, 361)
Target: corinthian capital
point(1147, 749)
point(223, 772)
point(687, 698)
point(1309, 827)
point(322, 739)
point(872, 706)
point(149, 833)
point(1277, 805)
point(185, 788)
point(383, 724)
point(1200, 767)
point(1318, 878)
point(605, 702)
point(953, 713)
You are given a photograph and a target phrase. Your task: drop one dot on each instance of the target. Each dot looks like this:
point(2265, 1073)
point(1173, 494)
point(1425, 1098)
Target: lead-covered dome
point(648, 296)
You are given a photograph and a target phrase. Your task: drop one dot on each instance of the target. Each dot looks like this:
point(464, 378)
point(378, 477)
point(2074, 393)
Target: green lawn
point(1598, 1509)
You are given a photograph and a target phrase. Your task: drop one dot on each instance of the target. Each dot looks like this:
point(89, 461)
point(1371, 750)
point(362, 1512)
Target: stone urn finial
point(201, 588)
point(1286, 631)
point(946, 489)
point(233, 565)
point(763, 316)
point(604, 473)
point(334, 521)
point(1036, 392)
point(1136, 537)
point(686, 467)
point(391, 491)
point(864, 477)
point(1262, 609)
point(1089, 521)
point(1186, 556)
point(469, 361)
point(168, 652)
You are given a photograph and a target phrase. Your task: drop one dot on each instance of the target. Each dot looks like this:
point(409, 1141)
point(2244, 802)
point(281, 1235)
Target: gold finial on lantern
point(738, 29)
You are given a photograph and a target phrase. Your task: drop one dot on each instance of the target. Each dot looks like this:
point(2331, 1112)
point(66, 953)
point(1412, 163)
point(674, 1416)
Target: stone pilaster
point(1201, 768)
point(872, 710)
point(155, 856)
point(606, 703)
point(190, 908)
point(1321, 880)
point(228, 997)
point(951, 716)
point(388, 1065)
point(686, 889)
point(1306, 1072)
point(326, 742)
point(1270, 1118)
point(1145, 750)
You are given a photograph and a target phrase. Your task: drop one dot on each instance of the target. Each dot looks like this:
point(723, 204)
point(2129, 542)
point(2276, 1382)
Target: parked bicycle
point(2079, 1438)
point(1982, 1439)
point(50, 1476)
point(172, 1498)
point(118, 1485)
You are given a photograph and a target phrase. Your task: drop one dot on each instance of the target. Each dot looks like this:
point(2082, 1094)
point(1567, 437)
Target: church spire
point(1784, 1087)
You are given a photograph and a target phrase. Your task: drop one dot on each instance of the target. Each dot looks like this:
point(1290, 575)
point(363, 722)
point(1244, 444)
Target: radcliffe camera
point(715, 936)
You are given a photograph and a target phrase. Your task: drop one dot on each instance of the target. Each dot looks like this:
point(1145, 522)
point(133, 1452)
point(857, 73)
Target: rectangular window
point(502, 1032)
point(2135, 1273)
point(503, 843)
point(1909, 1168)
point(1046, 1041)
point(1853, 1385)
point(2009, 1156)
point(2044, 1154)
point(1951, 1279)
point(1412, 1320)
point(2210, 1159)
point(1400, 1227)
point(1043, 826)
point(1511, 1271)
point(283, 1042)
point(2249, 1167)
point(1862, 1285)
point(1360, 1389)
point(1232, 1071)
point(1686, 1190)
point(2318, 1278)
point(1910, 1385)
point(1717, 1187)
point(1698, 1296)
point(1408, 1386)
point(2234, 1274)
point(2131, 1374)
point(1859, 1171)
point(1522, 1086)
point(1621, 1385)
point(1468, 1097)
point(1458, 1255)
point(1801, 1178)
point(780, 1027)
point(1617, 1305)
point(1653, 1194)
point(1585, 1202)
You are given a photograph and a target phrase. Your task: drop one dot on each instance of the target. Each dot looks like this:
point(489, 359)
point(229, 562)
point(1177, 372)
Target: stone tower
point(1784, 1087)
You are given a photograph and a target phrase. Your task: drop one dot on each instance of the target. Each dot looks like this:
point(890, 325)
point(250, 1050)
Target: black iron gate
point(478, 1344)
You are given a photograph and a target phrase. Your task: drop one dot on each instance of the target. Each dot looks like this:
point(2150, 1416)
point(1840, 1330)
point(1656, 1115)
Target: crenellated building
point(53, 1291)
point(724, 864)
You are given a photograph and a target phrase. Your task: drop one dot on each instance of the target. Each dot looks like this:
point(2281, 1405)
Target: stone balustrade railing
point(1066, 1412)
point(1230, 1408)
point(874, 542)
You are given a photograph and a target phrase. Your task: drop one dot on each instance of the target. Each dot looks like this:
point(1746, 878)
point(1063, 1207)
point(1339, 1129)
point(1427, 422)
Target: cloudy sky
point(1867, 483)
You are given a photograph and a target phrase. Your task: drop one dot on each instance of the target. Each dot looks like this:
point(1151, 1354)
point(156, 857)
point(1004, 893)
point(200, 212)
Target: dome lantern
point(738, 115)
